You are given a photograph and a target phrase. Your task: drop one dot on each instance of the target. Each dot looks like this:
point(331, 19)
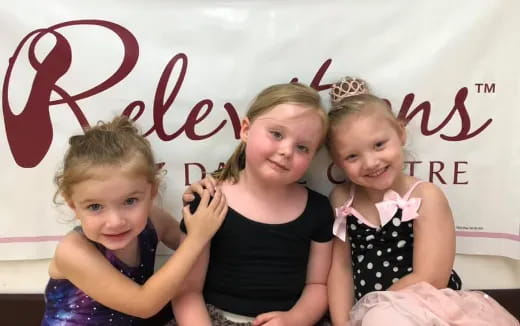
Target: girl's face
point(113, 205)
point(281, 143)
point(368, 147)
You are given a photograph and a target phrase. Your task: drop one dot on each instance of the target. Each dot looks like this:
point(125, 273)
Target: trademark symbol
point(486, 88)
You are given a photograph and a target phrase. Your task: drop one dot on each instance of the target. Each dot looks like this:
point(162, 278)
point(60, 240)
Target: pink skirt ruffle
point(423, 305)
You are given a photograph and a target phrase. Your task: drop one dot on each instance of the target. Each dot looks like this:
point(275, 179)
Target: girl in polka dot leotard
point(381, 255)
point(395, 239)
point(101, 272)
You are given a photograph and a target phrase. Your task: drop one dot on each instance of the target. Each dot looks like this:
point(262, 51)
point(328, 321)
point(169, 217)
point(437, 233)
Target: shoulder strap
point(99, 246)
point(352, 191)
point(412, 188)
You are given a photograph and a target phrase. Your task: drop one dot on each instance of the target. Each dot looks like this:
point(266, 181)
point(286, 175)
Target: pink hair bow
point(392, 201)
point(339, 229)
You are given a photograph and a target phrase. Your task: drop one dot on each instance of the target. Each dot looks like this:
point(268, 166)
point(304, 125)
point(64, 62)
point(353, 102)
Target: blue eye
point(351, 157)
point(302, 148)
point(380, 144)
point(276, 134)
point(130, 201)
point(94, 207)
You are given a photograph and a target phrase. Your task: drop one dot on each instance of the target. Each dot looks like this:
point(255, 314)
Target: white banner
point(186, 72)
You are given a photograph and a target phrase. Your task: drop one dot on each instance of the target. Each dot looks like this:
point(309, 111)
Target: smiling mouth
point(116, 235)
point(377, 172)
point(279, 166)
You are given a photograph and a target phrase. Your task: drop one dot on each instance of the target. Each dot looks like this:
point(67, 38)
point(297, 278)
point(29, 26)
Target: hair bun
point(348, 86)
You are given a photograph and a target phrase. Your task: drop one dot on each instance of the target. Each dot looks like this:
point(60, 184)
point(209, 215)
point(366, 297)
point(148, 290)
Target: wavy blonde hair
point(117, 142)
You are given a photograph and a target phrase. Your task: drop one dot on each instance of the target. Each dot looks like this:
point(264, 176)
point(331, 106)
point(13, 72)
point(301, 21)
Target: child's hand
point(198, 187)
point(273, 318)
point(208, 217)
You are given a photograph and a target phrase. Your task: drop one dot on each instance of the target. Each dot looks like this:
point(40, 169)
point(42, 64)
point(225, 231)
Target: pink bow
point(392, 201)
point(339, 229)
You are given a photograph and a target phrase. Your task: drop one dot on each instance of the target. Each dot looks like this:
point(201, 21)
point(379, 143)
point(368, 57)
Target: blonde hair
point(347, 104)
point(270, 97)
point(117, 142)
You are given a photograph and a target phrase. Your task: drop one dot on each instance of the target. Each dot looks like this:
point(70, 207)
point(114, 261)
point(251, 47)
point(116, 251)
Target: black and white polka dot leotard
point(383, 255)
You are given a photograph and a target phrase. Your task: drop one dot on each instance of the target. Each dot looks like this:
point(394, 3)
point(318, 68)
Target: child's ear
point(244, 129)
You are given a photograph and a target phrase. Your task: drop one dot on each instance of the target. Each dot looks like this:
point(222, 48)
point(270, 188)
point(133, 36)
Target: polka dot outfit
point(383, 255)
point(67, 305)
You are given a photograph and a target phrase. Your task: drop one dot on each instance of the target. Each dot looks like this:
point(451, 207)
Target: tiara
point(348, 86)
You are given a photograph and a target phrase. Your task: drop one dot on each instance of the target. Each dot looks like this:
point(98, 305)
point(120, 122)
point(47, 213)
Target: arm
point(340, 284)
point(312, 303)
point(189, 306)
point(166, 226)
point(434, 240)
point(82, 264)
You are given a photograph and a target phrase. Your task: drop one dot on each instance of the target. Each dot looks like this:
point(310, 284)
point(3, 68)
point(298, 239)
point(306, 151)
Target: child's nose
point(286, 149)
point(370, 161)
point(115, 219)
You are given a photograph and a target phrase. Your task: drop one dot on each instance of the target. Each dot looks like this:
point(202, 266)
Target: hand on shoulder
point(209, 183)
point(208, 217)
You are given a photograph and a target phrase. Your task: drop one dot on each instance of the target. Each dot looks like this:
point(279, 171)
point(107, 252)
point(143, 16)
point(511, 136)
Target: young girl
point(101, 273)
point(395, 238)
point(268, 263)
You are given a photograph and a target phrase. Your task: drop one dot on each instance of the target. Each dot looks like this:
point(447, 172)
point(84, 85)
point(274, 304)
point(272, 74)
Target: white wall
point(477, 272)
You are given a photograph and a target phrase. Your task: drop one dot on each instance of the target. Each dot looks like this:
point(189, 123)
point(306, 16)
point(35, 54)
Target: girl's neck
point(377, 195)
point(265, 203)
point(262, 189)
point(130, 255)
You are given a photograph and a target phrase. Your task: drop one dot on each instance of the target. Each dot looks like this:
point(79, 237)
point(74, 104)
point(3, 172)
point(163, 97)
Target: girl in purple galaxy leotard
point(102, 272)
point(66, 302)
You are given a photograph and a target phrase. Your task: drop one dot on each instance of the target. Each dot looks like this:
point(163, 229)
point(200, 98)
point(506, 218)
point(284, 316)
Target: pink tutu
point(422, 304)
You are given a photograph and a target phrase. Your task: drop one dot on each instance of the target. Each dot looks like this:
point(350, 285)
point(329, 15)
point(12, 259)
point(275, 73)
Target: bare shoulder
point(71, 250)
point(231, 190)
point(339, 194)
point(70, 242)
point(64, 251)
point(435, 207)
point(429, 192)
